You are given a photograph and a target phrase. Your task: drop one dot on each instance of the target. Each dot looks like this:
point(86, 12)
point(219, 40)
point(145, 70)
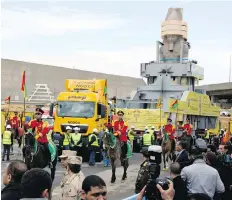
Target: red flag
point(7, 100)
point(23, 81)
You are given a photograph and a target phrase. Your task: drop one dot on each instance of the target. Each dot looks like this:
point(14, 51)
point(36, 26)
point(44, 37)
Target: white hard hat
point(76, 129)
point(133, 127)
point(152, 127)
point(95, 130)
point(110, 102)
point(146, 128)
point(68, 128)
point(147, 131)
point(8, 126)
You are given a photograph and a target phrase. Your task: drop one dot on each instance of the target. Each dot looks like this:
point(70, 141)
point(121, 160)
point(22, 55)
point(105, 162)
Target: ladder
point(41, 94)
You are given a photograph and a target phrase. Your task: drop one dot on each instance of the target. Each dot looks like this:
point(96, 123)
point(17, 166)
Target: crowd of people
point(203, 174)
point(36, 184)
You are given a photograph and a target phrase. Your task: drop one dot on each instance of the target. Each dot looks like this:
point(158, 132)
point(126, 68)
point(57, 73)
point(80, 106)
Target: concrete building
point(221, 94)
point(54, 77)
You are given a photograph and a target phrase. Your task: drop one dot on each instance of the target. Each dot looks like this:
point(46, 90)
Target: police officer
point(64, 164)
point(93, 146)
point(58, 141)
point(7, 141)
point(67, 135)
point(207, 135)
point(76, 140)
point(143, 171)
point(72, 187)
point(147, 139)
point(131, 135)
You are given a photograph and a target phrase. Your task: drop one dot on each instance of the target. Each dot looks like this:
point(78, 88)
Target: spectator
point(201, 178)
point(36, 184)
point(211, 159)
point(182, 155)
point(211, 148)
point(12, 176)
point(221, 148)
point(93, 188)
point(179, 185)
point(72, 187)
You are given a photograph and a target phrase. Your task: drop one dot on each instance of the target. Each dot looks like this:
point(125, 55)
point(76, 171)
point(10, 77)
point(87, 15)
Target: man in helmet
point(131, 135)
point(7, 141)
point(67, 138)
point(40, 129)
point(76, 140)
point(147, 139)
point(120, 128)
point(170, 130)
point(93, 146)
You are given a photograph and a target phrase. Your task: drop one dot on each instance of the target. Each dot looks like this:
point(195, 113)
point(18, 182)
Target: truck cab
point(84, 104)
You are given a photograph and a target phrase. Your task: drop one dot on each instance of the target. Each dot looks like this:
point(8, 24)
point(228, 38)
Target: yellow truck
point(84, 104)
point(195, 106)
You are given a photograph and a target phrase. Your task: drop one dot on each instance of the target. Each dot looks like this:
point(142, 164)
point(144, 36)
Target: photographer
point(142, 177)
point(150, 168)
point(199, 177)
point(165, 194)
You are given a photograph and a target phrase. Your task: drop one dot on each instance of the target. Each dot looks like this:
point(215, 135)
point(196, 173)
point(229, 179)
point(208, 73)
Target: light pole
point(230, 67)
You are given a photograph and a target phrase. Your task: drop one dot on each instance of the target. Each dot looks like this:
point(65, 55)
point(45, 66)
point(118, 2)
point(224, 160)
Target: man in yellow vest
point(147, 139)
point(67, 135)
point(76, 140)
point(131, 135)
point(7, 141)
point(207, 135)
point(93, 146)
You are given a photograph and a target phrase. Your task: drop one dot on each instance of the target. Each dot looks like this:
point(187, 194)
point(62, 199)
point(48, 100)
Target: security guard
point(64, 164)
point(147, 139)
point(76, 140)
point(131, 135)
point(93, 146)
point(207, 135)
point(7, 141)
point(73, 185)
point(143, 173)
point(66, 142)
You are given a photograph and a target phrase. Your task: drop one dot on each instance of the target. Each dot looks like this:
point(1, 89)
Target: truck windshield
point(76, 109)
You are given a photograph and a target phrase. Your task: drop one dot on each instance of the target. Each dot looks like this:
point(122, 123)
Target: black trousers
point(16, 132)
point(124, 149)
point(6, 151)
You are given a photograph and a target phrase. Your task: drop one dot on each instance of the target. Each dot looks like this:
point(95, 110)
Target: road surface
point(116, 191)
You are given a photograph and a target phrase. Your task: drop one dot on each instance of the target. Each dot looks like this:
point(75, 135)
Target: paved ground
point(116, 191)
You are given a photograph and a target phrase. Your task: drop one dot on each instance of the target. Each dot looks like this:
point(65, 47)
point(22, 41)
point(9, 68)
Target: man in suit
point(182, 155)
point(178, 183)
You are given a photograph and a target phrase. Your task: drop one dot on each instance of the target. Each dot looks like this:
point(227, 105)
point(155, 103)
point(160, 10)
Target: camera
point(154, 152)
point(152, 192)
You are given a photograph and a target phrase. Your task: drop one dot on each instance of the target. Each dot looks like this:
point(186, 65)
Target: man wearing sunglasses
point(94, 188)
point(40, 129)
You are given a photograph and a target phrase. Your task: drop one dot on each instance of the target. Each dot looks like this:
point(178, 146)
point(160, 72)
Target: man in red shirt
point(15, 123)
point(170, 130)
point(40, 130)
point(188, 127)
point(120, 128)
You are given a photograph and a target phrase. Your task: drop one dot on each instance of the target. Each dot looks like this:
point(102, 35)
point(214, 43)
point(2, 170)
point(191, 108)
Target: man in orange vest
point(120, 128)
point(170, 130)
point(226, 136)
